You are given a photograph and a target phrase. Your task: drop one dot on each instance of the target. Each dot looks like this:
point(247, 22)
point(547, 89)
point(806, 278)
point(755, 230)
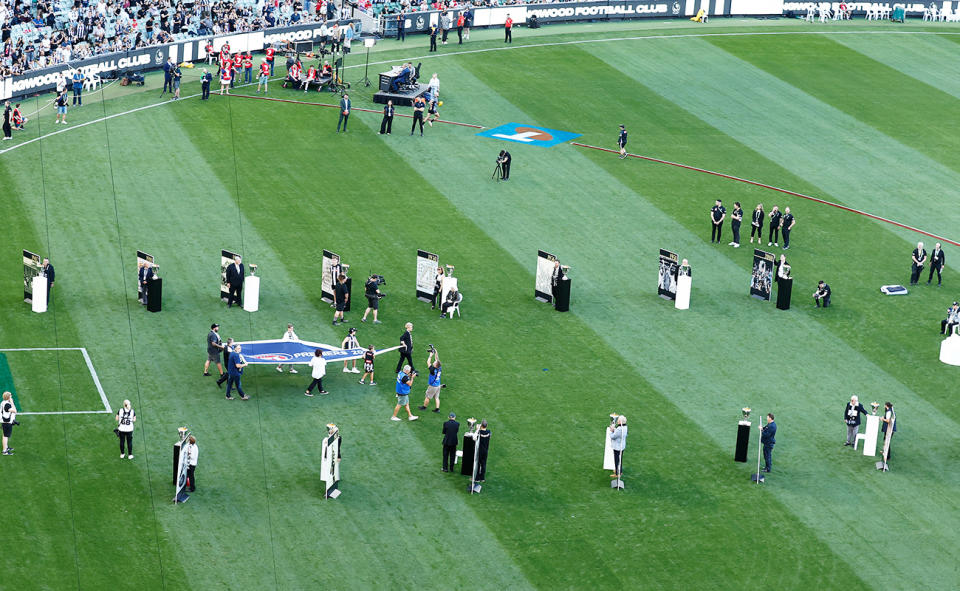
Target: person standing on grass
point(618, 442)
point(419, 104)
point(350, 342)
point(756, 224)
point(371, 291)
point(937, 261)
point(288, 336)
point(318, 367)
point(483, 448)
point(344, 112)
point(622, 142)
point(433, 381)
point(919, 258)
point(851, 416)
point(404, 383)
point(386, 124)
point(433, 38)
point(264, 78)
point(773, 236)
point(450, 432)
point(508, 30)
point(214, 346)
point(406, 346)
point(788, 223)
point(78, 80)
point(47, 268)
point(205, 81)
point(125, 420)
point(248, 68)
point(61, 103)
point(401, 19)
point(340, 298)
point(193, 454)
point(8, 416)
point(235, 373)
point(460, 21)
point(368, 360)
point(735, 219)
point(225, 78)
point(227, 350)
point(717, 214)
point(177, 77)
point(7, 114)
point(768, 438)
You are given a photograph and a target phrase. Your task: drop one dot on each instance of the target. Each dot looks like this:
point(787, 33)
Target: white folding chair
point(945, 14)
point(455, 307)
point(92, 82)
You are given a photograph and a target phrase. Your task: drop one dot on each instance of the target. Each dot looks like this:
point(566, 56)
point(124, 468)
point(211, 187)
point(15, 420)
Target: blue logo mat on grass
point(529, 134)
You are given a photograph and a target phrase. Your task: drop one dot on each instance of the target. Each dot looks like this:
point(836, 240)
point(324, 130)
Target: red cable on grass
point(772, 188)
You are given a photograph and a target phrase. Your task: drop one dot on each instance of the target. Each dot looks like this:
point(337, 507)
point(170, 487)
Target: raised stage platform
point(402, 98)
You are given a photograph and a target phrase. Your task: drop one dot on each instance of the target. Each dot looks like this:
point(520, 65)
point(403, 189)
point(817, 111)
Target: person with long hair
point(126, 417)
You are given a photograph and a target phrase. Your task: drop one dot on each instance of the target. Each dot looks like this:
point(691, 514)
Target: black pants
point(126, 437)
point(735, 226)
point(417, 116)
point(77, 96)
point(459, 35)
point(192, 478)
point(774, 235)
point(318, 383)
point(946, 327)
point(445, 32)
point(233, 381)
point(343, 119)
point(617, 461)
point(508, 35)
point(768, 457)
point(445, 307)
point(915, 271)
point(205, 87)
point(824, 299)
point(236, 290)
point(481, 465)
point(401, 34)
point(505, 167)
point(433, 42)
point(932, 269)
point(786, 238)
point(7, 130)
point(715, 231)
point(449, 453)
point(386, 125)
point(167, 83)
point(404, 355)
point(758, 230)
point(437, 292)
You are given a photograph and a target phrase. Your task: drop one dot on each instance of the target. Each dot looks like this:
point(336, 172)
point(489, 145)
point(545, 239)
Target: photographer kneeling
point(8, 416)
point(371, 290)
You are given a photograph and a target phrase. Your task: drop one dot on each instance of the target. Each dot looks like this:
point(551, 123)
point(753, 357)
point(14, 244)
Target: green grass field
point(863, 115)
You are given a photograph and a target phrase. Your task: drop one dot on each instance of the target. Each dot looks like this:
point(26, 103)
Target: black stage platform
point(401, 98)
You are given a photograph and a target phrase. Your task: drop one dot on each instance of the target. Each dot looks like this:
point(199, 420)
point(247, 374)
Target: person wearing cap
point(622, 142)
point(350, 342)
point(450, 431)
point(851, 416)
point(289, 336)
point(214, 346)
point(235, 276)
point(948, 324)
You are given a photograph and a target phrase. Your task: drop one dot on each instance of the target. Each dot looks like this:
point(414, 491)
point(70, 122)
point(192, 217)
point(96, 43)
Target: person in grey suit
point(450, 430)
point(618, 440)
point(851, 416)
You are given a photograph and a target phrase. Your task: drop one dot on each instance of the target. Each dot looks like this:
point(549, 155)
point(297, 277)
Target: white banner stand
point(870, 435)
point(608, 463)
point(684, 283)
point(949, 348)
point(251, 293)
point(39, 300)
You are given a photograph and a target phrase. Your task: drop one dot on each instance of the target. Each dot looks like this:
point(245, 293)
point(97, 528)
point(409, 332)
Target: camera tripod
point(498, 172)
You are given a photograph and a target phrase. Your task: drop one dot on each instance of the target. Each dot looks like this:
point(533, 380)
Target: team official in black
point(735, 219)
point(419, 104)
point(756, 224)
point(717, 214)
point(787, 223)
point(919, 259)
point(774, 236)
point(483, 447)
point(622, 142)
point(406, 348)
point(937, 261)
point(450, 439)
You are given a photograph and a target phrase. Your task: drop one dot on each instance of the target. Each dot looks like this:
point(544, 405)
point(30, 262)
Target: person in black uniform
point(235, 276)
point(7, 129)
point(227, 350)
point(433, 38)
point(371, 290)
point(717, 214)
point(483, 446)
point(386, 124)
point(406, 348)
point(419, 104)
point(788, 222)
point(50, 274)
point(936, 263)
point(919, 258)
point(735, 219)
point(774, 236)
point(756, 225)
point(205, 84)
point(822, 294)
point(504, 161)
point(768, 439)
point(622, 142)
point(450, 430)
point(340, 298)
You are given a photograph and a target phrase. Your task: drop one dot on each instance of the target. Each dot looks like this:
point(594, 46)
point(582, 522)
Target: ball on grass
point(440, 103)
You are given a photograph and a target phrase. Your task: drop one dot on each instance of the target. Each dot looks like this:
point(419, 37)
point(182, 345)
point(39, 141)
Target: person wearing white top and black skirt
point(193, 453)
point(350, 342)
point(437, 288)
point(125, 419)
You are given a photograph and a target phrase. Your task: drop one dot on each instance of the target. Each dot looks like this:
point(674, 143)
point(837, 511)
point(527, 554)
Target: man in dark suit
point(483, 448)
point(168, 67)
point(936, 263)
point(717, 214)
point(918, 258)
point(344, 112)
point(235, 275)
point(49, 273)
point(145, 275)
point(450, 439)
point(555, 278)
point(768, 439)
point(205, 84)
point(406, 348)
point(234, 373)
point(851, 416)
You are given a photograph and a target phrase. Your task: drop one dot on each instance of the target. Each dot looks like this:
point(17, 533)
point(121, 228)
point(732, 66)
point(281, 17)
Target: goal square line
point(93, 374)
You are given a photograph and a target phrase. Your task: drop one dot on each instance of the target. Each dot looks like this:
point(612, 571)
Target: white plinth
point(608, 463)
point(870, 441)
point(251, 293)
point(684, 284)
point(39, 302)
point(950, 350)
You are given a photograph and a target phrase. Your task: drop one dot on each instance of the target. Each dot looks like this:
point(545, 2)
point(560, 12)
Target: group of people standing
point(779, 223)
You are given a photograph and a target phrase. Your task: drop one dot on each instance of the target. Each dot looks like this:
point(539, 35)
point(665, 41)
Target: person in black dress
point(756, 224)
point(735, 219)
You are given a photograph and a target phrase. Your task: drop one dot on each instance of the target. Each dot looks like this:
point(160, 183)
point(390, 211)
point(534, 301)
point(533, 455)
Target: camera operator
point(404, 383)
point(8, 417)
point(406, 347)
point(371, 290)
point(504, 161)
point(433, 381)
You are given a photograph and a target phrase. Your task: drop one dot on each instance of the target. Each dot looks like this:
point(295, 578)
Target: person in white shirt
point(350, 342)
point(319, 369)
point(125, 419)
point(288, 336)
point(193, 452)
point(434, 87)
point(8, 417)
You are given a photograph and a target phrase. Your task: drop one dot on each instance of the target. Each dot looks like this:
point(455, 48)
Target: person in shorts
point(433, 381)
point(433, 114)
point(61, 102)
point(404, 383)
point(372, 292)
point(214, 347)
point(368, 358)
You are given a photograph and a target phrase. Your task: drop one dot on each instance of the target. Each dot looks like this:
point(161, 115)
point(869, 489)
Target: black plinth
point(466, 462)
point(743, 441)
point(784, 289)
point(561, 295)
point(155, 295)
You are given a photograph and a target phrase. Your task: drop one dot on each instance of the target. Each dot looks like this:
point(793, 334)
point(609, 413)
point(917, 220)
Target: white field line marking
point(93, 374)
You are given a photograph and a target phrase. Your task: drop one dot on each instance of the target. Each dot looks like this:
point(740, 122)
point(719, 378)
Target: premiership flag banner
point(667, 280)
point(32, 267)
point(280, 351)
point(142, 258)
point(328, 264)
point(762, 278)
point(226, 259)
point(543, 290)
point(426, 275)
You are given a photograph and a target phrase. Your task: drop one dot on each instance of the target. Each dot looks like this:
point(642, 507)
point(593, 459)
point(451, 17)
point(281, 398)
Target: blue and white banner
point(278, 351)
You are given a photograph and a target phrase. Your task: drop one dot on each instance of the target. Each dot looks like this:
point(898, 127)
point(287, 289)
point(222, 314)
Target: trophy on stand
point(874, 406)
point(743, 435)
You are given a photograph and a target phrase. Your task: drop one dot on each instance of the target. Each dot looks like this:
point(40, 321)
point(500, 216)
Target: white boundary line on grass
point(93, 374)
point(506, 48)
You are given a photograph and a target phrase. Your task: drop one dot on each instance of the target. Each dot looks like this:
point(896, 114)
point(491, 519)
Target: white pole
point(476, 456)
point(759, 446)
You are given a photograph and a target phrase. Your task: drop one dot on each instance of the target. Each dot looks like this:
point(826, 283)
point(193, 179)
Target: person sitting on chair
point(402, 78)
point(822, 294)
point(453, 297)
point(948, 324)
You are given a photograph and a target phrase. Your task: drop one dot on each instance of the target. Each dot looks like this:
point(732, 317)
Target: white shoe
point(729, 243)
point(280, 369)
point(131, 457)
point(361, 382)
point(293, 370)
point(769, 243)
point(354, 370)
point(395, 418)
point(413, 418)
point(346, 370)
point(736, 246)
point(123, 456)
